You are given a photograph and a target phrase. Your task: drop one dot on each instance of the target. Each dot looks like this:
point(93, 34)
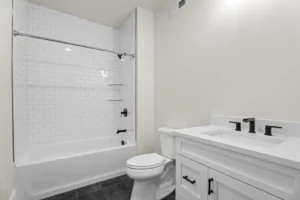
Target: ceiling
point(107, 12)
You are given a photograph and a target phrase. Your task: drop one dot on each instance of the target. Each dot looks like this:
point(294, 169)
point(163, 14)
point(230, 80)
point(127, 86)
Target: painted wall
point(6, 157)
point(235, 57)
point(145, 81)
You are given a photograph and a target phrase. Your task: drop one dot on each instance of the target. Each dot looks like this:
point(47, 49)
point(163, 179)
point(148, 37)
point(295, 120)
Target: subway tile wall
point(67, 87)
point(20, 79)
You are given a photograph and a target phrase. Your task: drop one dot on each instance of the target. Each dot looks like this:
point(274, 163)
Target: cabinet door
point(180, 197)
point(191, 179)
point(226, 188)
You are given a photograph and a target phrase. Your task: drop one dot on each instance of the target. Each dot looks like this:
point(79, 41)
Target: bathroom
point(149, 99)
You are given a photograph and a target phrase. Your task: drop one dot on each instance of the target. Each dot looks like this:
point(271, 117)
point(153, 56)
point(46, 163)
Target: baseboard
point(13, 195)
point(76, 185)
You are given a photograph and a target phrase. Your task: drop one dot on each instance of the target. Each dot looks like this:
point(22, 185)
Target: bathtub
point(48, 170)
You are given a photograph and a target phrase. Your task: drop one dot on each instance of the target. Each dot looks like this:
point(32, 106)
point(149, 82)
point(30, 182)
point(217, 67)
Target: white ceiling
point(107, 12)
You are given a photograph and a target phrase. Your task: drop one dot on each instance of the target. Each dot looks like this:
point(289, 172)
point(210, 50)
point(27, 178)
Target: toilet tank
point(167, 142)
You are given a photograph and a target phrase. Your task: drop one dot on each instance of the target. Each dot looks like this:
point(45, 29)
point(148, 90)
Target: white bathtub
point(52, 169)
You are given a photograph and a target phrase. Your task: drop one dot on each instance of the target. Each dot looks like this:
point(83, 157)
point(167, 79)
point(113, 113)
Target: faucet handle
point(237, 125)
point(268, 130)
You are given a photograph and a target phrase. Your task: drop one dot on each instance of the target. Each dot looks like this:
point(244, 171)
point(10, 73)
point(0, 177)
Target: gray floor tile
point(128, 182)
point(124, 192)
point(117, 192)
point(124, 176)
point(170, 197)
point(99, 195)
point(111, 195)
point(65, 196)
point(88, 189)
point(110, 182)
point(114, 189)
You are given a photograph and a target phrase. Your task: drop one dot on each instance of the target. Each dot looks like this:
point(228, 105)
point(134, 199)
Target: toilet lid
point(147, 161)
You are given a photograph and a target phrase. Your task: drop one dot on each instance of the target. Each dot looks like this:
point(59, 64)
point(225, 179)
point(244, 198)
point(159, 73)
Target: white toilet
point(154, 174)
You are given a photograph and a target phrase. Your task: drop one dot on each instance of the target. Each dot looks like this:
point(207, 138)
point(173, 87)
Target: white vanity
point(216, 162)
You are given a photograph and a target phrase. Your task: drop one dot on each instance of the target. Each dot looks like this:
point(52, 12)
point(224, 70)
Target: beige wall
point(145, 81)
point(6, 163)
point(230, 57)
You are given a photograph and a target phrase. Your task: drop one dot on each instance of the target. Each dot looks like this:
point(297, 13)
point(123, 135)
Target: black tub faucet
point(251, 122)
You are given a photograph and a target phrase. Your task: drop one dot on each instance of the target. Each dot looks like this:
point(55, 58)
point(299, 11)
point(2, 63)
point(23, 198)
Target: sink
point(246, 138)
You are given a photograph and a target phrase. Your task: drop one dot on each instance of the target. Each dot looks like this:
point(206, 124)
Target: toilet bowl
point(154, 174)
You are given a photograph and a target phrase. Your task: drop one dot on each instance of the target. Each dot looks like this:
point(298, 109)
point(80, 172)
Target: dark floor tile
point(128, 182)
point(124, 176)
point(110, 195)
point(88, 189)
point(110, 182)
point(117, 192)
point(64, 196)
point(170, 197)
point(99, 195)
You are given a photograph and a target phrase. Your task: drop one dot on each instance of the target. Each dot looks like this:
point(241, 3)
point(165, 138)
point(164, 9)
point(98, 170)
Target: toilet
point(154, 174)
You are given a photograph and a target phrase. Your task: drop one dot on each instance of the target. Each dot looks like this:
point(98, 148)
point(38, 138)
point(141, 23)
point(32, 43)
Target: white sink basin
point(247, 138)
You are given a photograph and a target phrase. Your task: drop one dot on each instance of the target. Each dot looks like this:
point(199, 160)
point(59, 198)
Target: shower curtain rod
point(16, 33)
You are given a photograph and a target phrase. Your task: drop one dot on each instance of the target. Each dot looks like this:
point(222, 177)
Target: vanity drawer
point(191, 179)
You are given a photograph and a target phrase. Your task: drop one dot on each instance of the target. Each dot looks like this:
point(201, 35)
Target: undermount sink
point(247, 138)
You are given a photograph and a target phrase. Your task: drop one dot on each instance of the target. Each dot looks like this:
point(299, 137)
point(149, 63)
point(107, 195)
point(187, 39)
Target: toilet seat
point(147, 161)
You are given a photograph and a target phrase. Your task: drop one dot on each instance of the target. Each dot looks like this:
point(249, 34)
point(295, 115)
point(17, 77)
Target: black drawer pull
point(187, 178)
point(210, 191)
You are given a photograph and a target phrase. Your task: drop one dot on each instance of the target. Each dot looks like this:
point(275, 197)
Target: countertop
point(286, 153)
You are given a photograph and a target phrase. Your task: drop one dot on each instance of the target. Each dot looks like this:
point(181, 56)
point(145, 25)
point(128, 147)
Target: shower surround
point(64, 108)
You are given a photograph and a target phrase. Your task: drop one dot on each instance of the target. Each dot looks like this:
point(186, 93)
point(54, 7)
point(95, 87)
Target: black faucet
point(268, 131)
point(251, 124)
point(121, 131)
point(238, 125)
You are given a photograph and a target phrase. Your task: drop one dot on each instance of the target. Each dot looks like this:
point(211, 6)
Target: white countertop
point(286, 153)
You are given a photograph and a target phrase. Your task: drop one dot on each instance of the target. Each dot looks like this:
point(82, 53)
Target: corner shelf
point(116, 100)
point(115, 85)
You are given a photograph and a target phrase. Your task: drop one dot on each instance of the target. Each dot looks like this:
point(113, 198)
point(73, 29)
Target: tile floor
point(114, 189)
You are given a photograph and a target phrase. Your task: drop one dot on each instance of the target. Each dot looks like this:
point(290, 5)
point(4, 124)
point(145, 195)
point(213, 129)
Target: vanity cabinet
point(191, 179)
point(226, 188)
point(204, 172)
point(198, 182)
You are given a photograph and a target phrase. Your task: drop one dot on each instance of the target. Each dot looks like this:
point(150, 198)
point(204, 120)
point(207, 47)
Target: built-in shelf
point(116, 85)
point(116, 100)
point(63, 87)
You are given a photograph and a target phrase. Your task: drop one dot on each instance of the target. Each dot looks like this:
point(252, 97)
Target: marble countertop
point(287, 153)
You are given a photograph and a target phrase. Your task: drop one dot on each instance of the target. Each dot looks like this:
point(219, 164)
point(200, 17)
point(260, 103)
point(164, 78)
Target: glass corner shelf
point(116, 100)
point(115, 85)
